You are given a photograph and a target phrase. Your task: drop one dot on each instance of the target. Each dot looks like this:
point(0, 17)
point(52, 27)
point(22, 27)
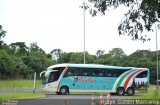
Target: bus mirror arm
point(42, 73)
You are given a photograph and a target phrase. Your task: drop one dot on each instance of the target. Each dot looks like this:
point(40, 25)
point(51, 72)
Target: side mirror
point(42, 73)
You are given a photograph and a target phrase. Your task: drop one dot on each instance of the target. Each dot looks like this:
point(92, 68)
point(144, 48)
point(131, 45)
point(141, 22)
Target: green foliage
point(5, 64)
point(100, 53)
point(18, 61)
point(64, 57)
point(151, 93)
point(141, 15)
point(117, 52)
point(76, 58)
point(56, 54)
point(2, 34)
point(79, 56)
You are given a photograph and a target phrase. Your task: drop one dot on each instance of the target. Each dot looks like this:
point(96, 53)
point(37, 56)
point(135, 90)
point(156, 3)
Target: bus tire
point(120, 91)
point(64, 90)
point(130, 91)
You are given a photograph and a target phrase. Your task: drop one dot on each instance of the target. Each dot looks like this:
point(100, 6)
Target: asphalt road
point(71, 100)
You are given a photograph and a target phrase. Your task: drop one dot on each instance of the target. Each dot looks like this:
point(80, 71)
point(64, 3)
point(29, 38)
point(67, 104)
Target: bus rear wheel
point(120, 91)
point(130, 91)
point(64, 90)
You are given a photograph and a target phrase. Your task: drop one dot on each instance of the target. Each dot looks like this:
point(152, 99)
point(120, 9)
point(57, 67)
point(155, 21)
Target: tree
point(142, 14)
point(143, 53)
point(117, 56)
point(2, 34)
point(35, 47)
point(56, 53)
point(99, 53)
point(37, 60)
point(76, 57)
point(65, 57)
point(5, 64)
point(100, 57)
point(19, 48)
point(117, 52)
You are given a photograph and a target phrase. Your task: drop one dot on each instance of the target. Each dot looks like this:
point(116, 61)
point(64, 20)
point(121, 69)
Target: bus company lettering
point(89, 79)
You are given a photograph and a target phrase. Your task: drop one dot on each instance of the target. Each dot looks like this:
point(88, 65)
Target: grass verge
point(4, 97)
point(151, 94)
point(18, 83)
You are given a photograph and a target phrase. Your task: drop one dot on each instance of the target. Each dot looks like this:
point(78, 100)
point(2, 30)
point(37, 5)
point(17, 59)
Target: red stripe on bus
point(58, 87)
point(62, 75)
point(128, 79)
point(65, 70)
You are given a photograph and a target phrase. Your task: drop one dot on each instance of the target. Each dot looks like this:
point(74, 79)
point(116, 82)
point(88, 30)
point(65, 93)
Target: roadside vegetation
point(19, 83)
point(151, 93)
point(10, 96)
point(13, 84)
point(19, 61)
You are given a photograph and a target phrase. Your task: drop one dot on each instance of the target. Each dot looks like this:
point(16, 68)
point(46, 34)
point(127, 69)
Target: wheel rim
point(120, 91)
point(63, 90)
point(130, 91)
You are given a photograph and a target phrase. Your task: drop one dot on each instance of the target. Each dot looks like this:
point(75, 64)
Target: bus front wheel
point(130, 91)
point(64, 90)
point(120, 91)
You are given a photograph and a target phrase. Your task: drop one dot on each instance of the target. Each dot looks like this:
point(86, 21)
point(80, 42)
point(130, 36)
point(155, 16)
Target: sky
point(57, 24)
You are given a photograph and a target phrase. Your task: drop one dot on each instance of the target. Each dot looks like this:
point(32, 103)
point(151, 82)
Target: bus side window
point(114, 75)
point(60, 70)
point(106, 73)
point(100, 74)
point(109, 74)
point(85, 73)
point(142, 74)
point(120, 71)
point(93, 74)
point(68, 72)
point(79, 72)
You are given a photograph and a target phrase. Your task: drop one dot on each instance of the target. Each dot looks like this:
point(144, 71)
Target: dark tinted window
point(142, 74)
point(91, 72)
point(72, 71)
point(113, 72)
point(60, 69)
point(53, 76)
point(98, 72)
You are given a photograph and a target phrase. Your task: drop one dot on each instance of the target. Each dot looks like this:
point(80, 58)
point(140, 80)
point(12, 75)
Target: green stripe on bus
point(122, 78)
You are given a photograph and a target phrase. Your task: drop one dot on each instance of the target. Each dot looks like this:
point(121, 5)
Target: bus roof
point(90, 66)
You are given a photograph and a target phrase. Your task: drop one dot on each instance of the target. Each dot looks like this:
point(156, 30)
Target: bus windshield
point(51, 77)
point(44, 80)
